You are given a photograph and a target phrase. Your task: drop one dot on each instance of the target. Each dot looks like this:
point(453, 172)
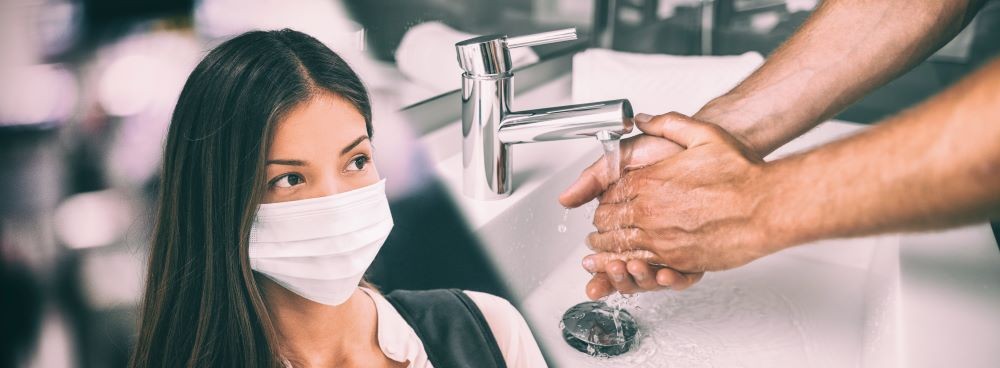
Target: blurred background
point(89, 86)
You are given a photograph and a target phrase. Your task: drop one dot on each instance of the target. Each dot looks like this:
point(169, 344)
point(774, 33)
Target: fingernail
point(617, 277)
point(642, 118)
point(588, 264)
point(639, 277)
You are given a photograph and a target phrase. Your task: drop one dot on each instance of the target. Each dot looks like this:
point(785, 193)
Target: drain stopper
point(590, 328)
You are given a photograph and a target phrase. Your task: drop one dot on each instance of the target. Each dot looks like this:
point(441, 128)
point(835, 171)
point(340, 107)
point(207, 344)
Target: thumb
point(680, 129)
point(591, 183)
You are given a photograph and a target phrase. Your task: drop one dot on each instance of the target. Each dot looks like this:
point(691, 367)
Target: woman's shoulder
point(510, 330)
point(496, 310)
point(493, 306)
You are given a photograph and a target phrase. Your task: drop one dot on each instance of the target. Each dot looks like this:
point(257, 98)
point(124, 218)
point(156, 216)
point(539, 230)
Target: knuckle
point(624, 190)
point(616, 267)
point(644, 210)
point(600, 216)
point(673, 115)
point(714, 128)
point(636, 267)
point(592, 240)
point(645, 238)
point(641, 183)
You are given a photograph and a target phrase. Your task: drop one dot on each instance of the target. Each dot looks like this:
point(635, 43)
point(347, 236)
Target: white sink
point(895, 300)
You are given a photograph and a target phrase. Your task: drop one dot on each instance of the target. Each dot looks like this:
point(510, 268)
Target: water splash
point(725, 321)
point(612, 155)
point(618, 301)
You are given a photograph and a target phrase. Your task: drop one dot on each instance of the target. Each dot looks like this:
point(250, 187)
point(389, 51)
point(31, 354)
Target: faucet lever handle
point(567, 34)
point(490, 55)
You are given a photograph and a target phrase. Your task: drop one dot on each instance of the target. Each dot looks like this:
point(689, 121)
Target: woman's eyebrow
point(353, 144)
point(287, 162)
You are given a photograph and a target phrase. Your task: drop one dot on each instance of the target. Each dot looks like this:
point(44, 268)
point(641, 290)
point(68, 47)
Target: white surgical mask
point(320, 248)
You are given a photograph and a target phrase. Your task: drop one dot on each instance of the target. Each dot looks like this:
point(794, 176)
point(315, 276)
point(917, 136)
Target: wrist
point(733, 113)
point(784, 213)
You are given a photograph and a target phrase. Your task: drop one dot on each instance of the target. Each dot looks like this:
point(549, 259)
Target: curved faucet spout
point(567, 122)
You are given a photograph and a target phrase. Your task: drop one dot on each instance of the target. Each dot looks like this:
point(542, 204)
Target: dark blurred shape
point(431, 247)
point(31, 171)
point(100, 13)
point(102, 338)
point(996, 232)
point(20, 309)
point(104, 21)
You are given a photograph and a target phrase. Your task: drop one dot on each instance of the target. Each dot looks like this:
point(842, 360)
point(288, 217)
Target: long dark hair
point(202, 306)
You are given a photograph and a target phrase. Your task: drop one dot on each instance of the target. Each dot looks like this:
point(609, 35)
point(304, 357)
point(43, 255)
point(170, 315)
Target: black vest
point(453, 330)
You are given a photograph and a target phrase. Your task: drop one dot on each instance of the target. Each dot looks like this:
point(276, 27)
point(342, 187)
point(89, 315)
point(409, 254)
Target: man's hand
point(702, 209)
point(617, 271)
point(632, 273)
point(636, 152)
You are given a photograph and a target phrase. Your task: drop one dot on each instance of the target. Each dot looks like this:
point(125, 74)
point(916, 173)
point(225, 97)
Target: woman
point(269, 213)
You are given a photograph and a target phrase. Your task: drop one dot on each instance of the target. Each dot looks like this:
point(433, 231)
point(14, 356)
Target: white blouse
point(400, 343)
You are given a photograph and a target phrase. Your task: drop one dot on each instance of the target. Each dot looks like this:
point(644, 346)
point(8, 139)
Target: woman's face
point(321, 148)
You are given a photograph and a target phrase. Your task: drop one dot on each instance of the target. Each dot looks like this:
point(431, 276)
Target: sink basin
point(894, 300)
point(787, 310)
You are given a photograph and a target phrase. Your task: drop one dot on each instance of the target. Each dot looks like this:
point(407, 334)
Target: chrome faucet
point(490, 128)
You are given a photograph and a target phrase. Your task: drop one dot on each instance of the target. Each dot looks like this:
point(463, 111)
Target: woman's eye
point(358, 163)
point(288, 181)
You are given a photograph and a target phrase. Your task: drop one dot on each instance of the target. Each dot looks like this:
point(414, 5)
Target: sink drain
point(590, 328)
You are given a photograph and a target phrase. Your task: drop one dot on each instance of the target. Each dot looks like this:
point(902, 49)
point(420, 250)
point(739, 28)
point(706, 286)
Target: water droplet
point(562, 224)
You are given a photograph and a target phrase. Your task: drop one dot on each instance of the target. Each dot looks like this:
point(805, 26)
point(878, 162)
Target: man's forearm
point(934, 166)
point(845, 49)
